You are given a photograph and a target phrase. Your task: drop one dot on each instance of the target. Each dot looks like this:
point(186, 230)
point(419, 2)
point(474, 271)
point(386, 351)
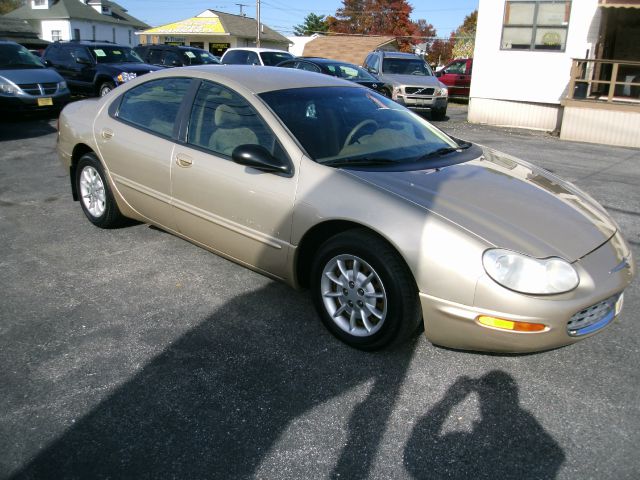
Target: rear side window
point(154, 105)
point(237, 57)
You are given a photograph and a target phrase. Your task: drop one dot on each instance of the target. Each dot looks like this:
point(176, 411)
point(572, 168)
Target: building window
point(535, 25)
point(114, 35)
point(76, 34)
point(39, 3)
point(56, 35)
point(129, 37)
point(93, 32)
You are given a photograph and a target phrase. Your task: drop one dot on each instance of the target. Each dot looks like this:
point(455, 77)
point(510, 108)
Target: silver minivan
point(26, 84)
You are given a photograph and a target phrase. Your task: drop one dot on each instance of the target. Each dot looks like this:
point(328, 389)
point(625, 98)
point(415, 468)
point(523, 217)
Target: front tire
point(95, 195)
point(438, 114)
point(364, 292)
point(105, 88)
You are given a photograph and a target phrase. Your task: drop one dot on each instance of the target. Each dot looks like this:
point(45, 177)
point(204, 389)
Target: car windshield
point(406, 66)
point(343, 126)
point(350, 72)
point(199, 57)
point(13, 57)
point(271, 59)
point(108, 54)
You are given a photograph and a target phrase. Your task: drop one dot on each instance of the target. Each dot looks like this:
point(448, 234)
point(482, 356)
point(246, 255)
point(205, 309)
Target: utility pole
point(242, 5)
point(258, 17)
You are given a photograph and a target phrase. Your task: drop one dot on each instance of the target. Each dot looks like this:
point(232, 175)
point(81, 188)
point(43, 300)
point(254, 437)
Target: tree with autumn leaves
point(381, 17)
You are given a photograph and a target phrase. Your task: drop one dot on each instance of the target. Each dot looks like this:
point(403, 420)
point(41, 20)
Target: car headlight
point(8, 88)
point(443, 92)
point(126, 76)
point(397, 90)
point(62, 86)
point(526, 274)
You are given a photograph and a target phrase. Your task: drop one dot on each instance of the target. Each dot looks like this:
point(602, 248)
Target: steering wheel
point(352, 134)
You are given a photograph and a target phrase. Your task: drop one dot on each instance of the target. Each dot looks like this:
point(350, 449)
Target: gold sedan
point(321, 183)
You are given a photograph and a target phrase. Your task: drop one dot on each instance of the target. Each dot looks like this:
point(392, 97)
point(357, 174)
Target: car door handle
point(184, 160)
point(106, 133)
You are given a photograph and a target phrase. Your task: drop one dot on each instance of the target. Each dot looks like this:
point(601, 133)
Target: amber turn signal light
point(510, 324)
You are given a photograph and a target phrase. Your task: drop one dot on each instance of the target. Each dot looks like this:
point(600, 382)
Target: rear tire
point(95, 195)
point(364, 292)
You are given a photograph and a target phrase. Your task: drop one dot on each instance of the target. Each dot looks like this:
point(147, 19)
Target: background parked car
point(456, 75)
point(335, 68)
point(254, 56)
point(174, 56)
point(26, 84)
point(414, 84)
point(94, 68)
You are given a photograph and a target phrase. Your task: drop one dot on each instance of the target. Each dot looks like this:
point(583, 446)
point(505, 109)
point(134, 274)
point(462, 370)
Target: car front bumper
point(415, 102)
point(604, 274)
point(30, 103)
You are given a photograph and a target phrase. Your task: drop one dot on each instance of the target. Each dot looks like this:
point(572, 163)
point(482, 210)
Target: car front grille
point(594, 317)
point(38, 89)
point(418, 91)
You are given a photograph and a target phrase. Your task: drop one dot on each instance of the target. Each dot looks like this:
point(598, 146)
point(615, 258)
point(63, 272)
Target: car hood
point(134, 67)
point(417, 80)
point(507, 202)
point(31, 75)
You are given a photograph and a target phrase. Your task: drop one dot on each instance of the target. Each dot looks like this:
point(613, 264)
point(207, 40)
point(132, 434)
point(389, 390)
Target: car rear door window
point(154, 105)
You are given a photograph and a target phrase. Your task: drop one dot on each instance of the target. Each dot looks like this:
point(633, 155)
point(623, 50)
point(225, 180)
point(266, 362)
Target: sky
point(283, 15)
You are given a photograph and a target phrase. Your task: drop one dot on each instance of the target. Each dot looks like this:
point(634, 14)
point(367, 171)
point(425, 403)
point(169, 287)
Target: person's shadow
point(507, 442)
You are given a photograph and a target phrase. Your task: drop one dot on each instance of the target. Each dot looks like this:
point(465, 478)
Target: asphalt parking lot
point(130, 353)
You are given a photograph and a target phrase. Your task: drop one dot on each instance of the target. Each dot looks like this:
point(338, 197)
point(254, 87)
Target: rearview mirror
point(258, 157)
point(83, 61)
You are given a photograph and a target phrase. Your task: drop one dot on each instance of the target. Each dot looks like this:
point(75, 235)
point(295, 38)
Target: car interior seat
point(231, 130)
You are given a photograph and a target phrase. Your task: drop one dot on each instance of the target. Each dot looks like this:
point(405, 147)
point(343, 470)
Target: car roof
point(399, 55)
point(269, 79)
point(254, 49)
point(90, 43)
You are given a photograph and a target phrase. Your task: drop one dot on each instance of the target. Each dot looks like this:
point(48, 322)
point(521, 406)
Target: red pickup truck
point(456, 75)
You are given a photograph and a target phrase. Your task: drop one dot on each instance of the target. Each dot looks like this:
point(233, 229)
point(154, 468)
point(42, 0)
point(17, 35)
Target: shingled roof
point(77, 10)
point(212, 22)
point(20, 31)
point(348, 48)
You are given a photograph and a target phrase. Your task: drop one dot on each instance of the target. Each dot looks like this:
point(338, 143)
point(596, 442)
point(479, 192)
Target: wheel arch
point(78, 152)
point(102, 78)
point(320, 233)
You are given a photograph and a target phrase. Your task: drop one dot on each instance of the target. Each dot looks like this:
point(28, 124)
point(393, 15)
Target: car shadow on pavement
point(22, 128)
point(215, 402)
point(218, 401)
point(507, 441)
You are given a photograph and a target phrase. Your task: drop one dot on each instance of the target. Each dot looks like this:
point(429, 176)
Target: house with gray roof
point(216, 32)
point(100, 20)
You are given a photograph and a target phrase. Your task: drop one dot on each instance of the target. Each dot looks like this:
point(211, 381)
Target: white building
point(548, 64)
point(100, 20)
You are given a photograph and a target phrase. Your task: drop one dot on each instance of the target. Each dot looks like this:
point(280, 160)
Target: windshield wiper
point(359, 162)
point(445, 150)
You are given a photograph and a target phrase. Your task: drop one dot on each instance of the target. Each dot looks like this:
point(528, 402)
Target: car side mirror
point(372, 70)
point(439, 74)
point(258, 157)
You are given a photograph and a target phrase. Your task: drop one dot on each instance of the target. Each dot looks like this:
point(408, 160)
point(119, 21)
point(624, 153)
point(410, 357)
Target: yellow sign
point(45, 102)
point(192, 25)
